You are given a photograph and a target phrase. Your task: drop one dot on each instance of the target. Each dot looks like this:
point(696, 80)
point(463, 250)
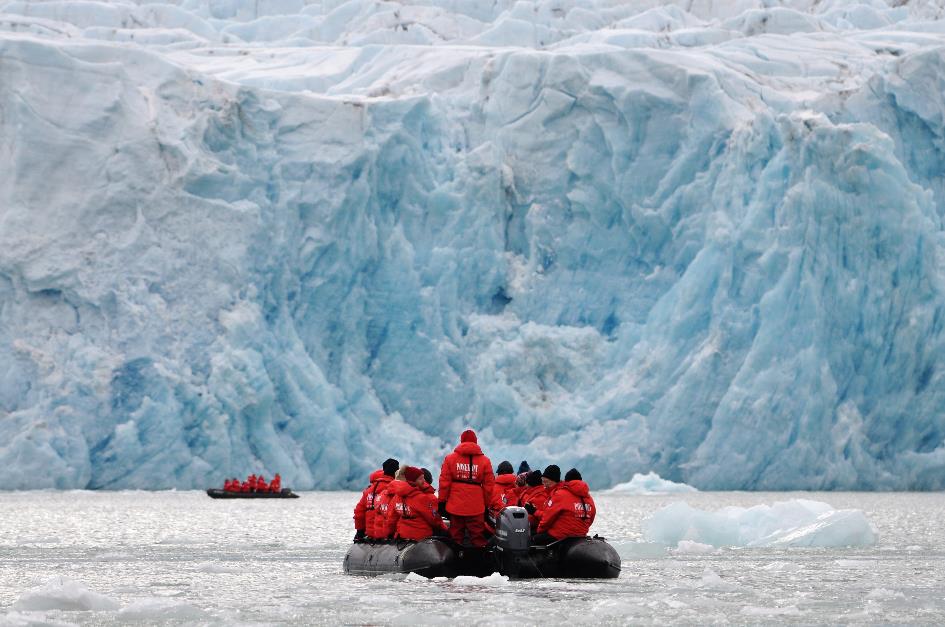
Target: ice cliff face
point(697, 239)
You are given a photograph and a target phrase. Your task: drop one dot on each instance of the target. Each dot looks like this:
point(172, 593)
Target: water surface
point(184, 556)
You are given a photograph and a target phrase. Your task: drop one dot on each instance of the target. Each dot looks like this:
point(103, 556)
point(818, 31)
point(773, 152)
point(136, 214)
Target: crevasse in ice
point(701, 239)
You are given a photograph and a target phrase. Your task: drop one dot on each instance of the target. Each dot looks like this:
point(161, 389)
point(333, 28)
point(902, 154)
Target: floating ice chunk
point(161, 609)
point(494, 580)
point(415, 578)
point(61, 593)
point(651, 483)
point(884, 593)
point(711, 579)
point(688, 547)
point(786, 523)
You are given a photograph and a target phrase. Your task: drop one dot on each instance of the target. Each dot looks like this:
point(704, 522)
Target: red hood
point(575, 487)
point(377, 474)
point(393, 486)
point(427, 489)
point(403, 489)
point(505, 480)
point(468, 448)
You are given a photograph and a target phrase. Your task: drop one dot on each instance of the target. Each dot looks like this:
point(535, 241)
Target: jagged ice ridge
point(688, 238)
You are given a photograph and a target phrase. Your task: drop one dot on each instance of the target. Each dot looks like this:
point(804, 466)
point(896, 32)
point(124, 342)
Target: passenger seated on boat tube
point(413, 511)
point(382, 528)
point(364, 511)
point(570, 511)
point(534, 498)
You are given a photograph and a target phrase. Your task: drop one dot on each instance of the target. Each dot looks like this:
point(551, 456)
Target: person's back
point(261, 484)
point(276, 485)
point(572, 509)
point(506, 491)
point(366, 509)
point(244, 487)
point(412, 509)
point(466, 485)
point(534, 498)
point(252, 483)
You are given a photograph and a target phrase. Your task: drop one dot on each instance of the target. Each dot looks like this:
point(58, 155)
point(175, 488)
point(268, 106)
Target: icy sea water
point(182, 557)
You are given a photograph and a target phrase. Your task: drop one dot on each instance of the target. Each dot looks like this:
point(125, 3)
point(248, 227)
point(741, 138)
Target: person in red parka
point(365, 509)
point(383, 528)
point(261, 484)
point(534, 498)
point(466, 484)
point(412, 513)
point(244, 487)
point(505, 492)
point(276, 485)
point(571, 512)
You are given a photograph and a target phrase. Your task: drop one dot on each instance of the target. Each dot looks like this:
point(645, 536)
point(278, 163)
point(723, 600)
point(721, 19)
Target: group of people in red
point(253, 483)
point(400, 503)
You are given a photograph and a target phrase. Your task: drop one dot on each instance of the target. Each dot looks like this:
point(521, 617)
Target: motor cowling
point(512, 531)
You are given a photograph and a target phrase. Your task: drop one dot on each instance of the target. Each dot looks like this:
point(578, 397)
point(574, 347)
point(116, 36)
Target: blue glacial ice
point(795, 523)
point(700, 239)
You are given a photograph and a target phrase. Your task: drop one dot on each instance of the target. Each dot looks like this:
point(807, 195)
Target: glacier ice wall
point(303, 236)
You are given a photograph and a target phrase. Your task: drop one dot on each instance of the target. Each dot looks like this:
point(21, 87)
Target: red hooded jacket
point(538, 496)
point(504, 493)
point(466, 481)
point(382, 511)
point(571, 512)
point(412, 513)
point(364, 510)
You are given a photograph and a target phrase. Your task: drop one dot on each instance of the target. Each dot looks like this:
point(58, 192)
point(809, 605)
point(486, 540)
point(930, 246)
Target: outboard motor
point(512, 535)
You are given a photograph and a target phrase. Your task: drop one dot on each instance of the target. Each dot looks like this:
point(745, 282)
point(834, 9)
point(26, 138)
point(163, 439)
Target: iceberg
point(650, 483)
point(694, 238)
point(795, 523)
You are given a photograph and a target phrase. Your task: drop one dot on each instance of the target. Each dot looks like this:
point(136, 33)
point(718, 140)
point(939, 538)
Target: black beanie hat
point(427, 475)
point(533, 478)
point(505, 468)
point(552, 472)
point(573, 475)
point(390, 466)
point(524, 467)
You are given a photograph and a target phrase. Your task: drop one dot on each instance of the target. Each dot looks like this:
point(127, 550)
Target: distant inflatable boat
point(579, 558)
point(217, 493)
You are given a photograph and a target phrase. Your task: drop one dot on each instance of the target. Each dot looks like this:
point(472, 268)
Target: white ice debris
point(65, 594)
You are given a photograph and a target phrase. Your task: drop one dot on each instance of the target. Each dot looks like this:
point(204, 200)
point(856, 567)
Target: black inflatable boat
point(590, 558)
point(217, 493)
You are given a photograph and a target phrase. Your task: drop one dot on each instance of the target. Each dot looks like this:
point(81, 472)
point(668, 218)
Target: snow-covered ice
point(702, 239)
point(795, 523)
point(651, 483)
